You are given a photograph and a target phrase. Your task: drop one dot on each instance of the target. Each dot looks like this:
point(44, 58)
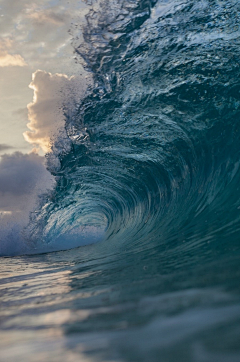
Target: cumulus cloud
point(45, 113)
point(7, 59)
point(35, 33)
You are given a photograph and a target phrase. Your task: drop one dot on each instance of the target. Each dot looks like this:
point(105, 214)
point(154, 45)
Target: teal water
point(76, 306)
point(147, 172)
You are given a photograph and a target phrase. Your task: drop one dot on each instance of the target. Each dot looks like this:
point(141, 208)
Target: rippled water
point(74, 305)
point(147, 170)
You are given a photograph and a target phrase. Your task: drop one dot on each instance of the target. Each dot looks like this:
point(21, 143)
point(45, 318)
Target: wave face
point(151, 156)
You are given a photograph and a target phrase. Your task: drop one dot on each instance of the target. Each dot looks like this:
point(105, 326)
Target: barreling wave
point(150, 158)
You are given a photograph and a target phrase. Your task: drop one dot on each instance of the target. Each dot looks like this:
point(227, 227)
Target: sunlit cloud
point(34, 34)
point(6, 58)
point(45, 113)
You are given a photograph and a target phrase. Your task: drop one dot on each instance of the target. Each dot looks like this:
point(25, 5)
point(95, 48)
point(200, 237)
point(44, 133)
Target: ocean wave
point(150, 157)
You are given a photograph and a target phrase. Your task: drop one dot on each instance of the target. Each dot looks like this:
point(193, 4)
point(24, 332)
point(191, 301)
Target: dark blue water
point(148, 171)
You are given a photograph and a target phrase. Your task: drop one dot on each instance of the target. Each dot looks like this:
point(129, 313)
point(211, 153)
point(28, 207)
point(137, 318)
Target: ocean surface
point(146, 199)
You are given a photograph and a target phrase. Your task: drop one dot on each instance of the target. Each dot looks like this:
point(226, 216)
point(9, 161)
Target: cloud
point(48, 16)
point(4, 147)
point(23, 112)
point(39, 32)
point(7, 59)
point(22, 178)
point(45, 113)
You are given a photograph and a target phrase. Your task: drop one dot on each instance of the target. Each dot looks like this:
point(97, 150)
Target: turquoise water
point(147, 173)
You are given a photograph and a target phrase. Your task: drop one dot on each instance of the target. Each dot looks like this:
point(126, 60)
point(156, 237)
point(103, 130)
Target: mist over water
point(147, 171)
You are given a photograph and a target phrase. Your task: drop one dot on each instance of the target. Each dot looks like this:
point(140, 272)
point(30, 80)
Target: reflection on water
point(91, 309)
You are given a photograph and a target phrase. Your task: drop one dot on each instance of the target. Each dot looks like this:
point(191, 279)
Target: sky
point(35, 50)
point(38, 75)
